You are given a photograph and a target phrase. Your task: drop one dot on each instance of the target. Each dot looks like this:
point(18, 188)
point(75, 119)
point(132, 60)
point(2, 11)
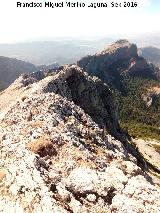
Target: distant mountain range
point(68, 50)
point(48, 52)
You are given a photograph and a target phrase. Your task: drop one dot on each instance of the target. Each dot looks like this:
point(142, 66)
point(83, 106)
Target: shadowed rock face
point(91, 94)
point(71, 82)
point(118, 60)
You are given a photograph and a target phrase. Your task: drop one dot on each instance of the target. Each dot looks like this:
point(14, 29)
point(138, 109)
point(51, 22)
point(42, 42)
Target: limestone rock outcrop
point(121, 58)
point(89, 93)
point(55, 155)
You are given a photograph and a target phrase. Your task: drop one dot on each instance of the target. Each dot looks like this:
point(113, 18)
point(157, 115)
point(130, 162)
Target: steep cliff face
point(132, 78)
point(89, 93)
point(119, 60)
point(56, 157)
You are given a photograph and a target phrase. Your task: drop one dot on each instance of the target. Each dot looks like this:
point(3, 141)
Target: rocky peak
point(119, 59)
point(121, 49)
point(90, 93)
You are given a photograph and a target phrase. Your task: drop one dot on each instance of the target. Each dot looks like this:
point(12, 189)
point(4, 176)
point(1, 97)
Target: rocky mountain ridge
point(56, 151)
point(118, 60)
point(135, 83)
point(132, 79)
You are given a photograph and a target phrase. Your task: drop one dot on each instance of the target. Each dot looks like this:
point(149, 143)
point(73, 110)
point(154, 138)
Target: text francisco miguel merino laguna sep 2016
point(59, 4)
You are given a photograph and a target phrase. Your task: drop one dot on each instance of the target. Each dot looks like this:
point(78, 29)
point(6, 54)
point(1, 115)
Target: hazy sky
point(20, 24)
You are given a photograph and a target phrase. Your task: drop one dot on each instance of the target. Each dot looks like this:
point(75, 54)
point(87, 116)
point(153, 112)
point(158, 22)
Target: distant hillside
point(11, 69)
point(48, 67)
point(68, 50)
point(152, 54)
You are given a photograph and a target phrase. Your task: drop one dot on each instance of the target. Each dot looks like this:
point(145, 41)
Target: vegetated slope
point(56, 157)
point(11, 69)
point(133, 81)
point(152, 54)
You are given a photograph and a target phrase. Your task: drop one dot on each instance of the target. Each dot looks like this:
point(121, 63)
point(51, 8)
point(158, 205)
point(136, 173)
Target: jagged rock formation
point(118, 60)
point(11, 68)
point(54, 155)
point(90, 94)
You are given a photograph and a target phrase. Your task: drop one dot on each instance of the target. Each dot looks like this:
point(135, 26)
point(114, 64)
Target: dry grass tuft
point(23, 98)
point(42, 146)
point(36, 124)
point(2, 174)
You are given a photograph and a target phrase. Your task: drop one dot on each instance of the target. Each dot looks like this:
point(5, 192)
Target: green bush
point(140, 130)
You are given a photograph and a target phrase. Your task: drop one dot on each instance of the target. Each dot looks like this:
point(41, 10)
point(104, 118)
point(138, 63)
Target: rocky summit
point(118, 60)
point(58, 151)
